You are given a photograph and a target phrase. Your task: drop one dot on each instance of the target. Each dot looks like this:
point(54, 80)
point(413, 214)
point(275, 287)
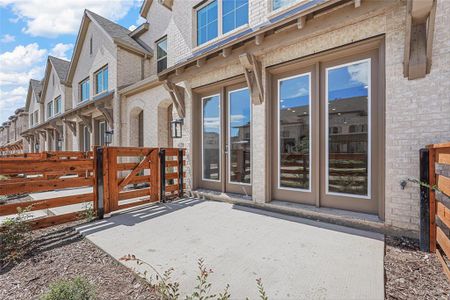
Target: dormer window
point(57, 105)
point(49, 109)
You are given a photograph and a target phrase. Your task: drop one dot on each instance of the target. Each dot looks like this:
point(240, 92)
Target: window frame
point(80, 98)
point(55, 101)
point(220, 33)
point(50, 109)
point(165, 57)
point(101, 70)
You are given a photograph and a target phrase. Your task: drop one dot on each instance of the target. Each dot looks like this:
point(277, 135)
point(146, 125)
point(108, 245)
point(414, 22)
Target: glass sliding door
point(348, 136)
point(239, 136)
point(294, 134)
point(211, 138)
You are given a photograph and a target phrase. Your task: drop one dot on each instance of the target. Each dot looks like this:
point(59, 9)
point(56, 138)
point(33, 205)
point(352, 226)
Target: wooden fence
point(438, 197)
point(119, 177)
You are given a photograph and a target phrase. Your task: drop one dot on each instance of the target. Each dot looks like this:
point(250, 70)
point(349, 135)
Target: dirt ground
point(59, 252)
point(412, 274)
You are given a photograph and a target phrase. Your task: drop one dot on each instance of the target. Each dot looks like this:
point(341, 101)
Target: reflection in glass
point(239, 136)
point(294, 131)
point(348, 128)
point(211, 137)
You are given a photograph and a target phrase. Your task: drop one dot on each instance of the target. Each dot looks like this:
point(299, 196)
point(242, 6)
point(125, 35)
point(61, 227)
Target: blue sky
point(30, 30)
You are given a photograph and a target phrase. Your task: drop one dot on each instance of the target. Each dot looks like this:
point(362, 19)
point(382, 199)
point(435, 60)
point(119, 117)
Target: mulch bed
point(59, 252)
point(412, 274)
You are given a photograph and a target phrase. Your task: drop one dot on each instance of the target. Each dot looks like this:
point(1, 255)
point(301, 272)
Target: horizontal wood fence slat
point(439, 199)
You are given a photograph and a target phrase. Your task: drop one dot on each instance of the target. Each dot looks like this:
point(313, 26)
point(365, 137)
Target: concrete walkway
point(296, 258)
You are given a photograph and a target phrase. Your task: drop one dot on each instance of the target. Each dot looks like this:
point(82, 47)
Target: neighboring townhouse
point(298, 104)
point(10, 132)
point(35, 135)
point(106, 58)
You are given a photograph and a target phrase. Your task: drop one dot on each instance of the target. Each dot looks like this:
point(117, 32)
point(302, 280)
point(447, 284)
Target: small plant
point(77, 288)
point(168, 290)
point(15, 235)
point(88, 212)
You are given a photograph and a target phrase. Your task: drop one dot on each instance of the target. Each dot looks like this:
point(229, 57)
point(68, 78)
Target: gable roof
point(36, 87)
point(61, 67)
point(118, 35)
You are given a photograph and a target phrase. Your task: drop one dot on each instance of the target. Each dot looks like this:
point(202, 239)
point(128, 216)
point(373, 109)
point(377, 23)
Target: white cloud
point(10, 101)
point(17, 68)
point(21, 58)
point(7, 38)
point(132, 27)
point(52, 18)
point(60, 50)
point(359, 73)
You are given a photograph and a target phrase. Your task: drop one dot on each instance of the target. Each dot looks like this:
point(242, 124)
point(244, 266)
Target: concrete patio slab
point(296, 258)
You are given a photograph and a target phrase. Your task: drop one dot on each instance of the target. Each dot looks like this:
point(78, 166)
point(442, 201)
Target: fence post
point(432, 197)
point(424, 238)
point(180, 172)
point(162, 168)
point(99, 184)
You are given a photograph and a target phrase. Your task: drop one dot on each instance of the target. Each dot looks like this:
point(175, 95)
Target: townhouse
point(306, 105)
point(11, 140)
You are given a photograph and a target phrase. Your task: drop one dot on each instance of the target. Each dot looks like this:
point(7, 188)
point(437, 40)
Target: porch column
point(117, 120)
point(260, 150)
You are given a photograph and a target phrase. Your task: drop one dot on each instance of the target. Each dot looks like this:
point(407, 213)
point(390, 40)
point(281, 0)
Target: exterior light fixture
point(176, 128)
point(36, 147)
point(108, 137)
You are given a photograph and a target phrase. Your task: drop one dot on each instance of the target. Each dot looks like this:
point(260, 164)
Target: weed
point(15, 235)
point(77, 288)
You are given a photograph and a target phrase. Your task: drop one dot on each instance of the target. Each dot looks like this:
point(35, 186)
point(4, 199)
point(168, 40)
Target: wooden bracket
point(177, 95)
point(420, 21)
point(301, 22)
point(71, 125)
point(43, 133)
point(226, 52)
point(253, 76)
point(107, 113)
point(53, 124)
point(86, 121)
point(259, 39)
point(201, 62)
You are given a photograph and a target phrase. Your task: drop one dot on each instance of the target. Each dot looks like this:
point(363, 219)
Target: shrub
point(77, 288)
point(15, 235)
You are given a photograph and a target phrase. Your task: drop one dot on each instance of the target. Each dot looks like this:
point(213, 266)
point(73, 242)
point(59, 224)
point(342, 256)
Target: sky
point(30, 30)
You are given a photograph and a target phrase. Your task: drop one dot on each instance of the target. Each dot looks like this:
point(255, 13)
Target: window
point(207, 23)
point(101, 133)
point(36, 117)
point(216, 18)
point(101, 80)
point(211, 137)
point(234, 14)
point(57, 105)
point(50, 109)
point(90, 45)
point(276, 4)
point(31, 120)
point(84, 90)
point(161, 54)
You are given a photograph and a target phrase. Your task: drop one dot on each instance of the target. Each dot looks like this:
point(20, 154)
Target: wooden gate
point(135, 176)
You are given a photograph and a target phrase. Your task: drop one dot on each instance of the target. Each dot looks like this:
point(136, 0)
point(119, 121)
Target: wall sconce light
point(176, 128)
point(109, 137)
point(36, 147)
